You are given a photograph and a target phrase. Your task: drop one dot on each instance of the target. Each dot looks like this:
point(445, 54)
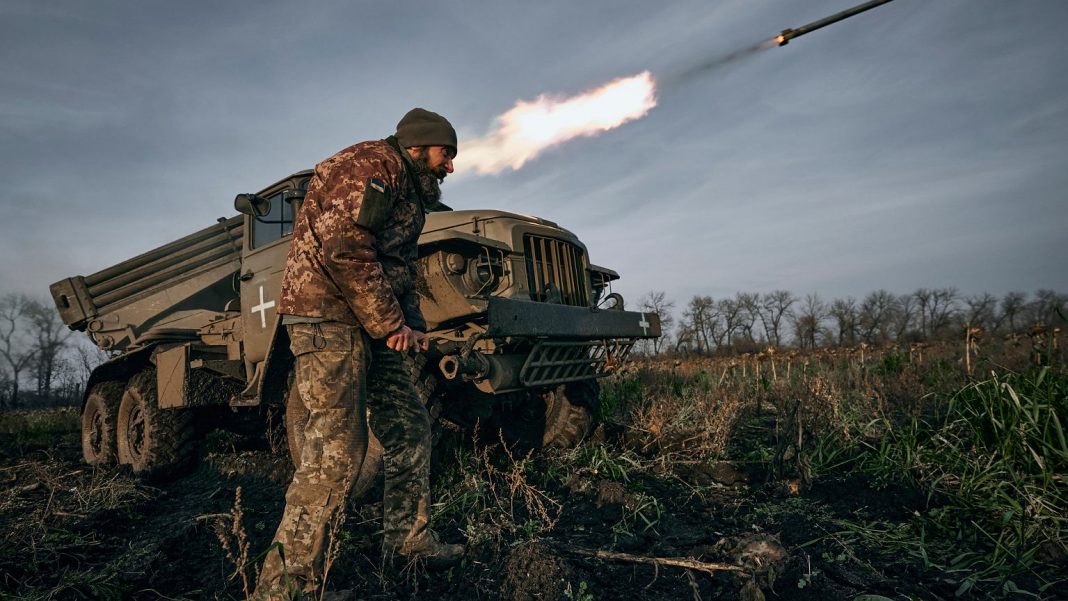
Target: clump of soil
point(532, 571)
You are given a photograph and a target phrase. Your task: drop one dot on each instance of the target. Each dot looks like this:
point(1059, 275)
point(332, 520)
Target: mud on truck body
point(511, 304)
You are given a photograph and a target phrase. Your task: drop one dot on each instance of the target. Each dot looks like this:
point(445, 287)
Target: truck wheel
point(155, 442)
point(99, 418)
point(569, 413)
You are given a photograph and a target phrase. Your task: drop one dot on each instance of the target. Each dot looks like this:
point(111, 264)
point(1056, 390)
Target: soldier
point(351, 310)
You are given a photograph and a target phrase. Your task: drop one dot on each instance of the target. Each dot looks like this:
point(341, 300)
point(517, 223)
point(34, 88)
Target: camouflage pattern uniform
point(354, 243)
point(350, 277)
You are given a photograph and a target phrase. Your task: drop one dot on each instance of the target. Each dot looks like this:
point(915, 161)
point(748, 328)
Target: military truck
point(521, 323)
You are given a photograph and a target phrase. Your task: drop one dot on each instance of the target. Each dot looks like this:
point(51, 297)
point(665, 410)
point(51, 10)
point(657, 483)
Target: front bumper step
point(552, 363)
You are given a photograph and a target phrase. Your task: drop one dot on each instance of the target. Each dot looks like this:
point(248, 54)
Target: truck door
point(266, 247)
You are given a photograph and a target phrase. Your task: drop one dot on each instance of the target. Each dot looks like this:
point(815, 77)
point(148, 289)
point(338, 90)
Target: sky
point(919, 144)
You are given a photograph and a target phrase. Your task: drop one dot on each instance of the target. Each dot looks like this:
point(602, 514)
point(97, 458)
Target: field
point(922, 472)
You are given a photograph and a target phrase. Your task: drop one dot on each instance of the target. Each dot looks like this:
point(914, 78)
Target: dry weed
point(230, 531)
point(536, 502)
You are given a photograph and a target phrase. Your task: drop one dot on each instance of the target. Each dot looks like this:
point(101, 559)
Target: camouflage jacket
point(355, 243)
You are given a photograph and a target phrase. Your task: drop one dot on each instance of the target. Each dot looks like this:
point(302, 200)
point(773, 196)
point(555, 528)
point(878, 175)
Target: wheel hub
point(96, 433)
point(136, 433)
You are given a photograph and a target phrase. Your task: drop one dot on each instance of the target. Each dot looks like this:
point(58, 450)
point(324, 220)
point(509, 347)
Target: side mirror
point(251, 204)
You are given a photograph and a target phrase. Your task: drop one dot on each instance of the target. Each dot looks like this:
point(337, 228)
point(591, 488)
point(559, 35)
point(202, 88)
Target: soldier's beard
point(429, 181)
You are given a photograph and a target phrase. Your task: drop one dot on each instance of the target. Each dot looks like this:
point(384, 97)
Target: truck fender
point(118, 369)
point(274, 384)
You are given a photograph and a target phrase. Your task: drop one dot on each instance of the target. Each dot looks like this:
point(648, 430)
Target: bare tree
point(942, 306)
point(50, 336)
point(1012, 305)
point(5, 387)
point(731, 313)
point(701, 323)
point(656, 302)
point(903, 318)
point(1048, 307)
point(749, 311)
point(776, 306)
point(923, 307)
point(876, 316)
point(981, 311)
point(844, 312)
point(808, 321)
point(15, 352)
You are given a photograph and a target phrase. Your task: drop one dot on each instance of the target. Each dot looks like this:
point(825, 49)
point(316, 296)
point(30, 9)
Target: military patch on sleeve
point(375, 205)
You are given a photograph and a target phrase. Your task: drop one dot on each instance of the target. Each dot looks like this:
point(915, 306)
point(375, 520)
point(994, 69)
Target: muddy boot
point(429, 551)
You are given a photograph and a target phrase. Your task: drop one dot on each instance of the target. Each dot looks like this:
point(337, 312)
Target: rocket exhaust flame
point(530, 127)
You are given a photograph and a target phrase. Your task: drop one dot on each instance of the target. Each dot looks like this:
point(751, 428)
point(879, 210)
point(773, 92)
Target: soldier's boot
point(429, 551)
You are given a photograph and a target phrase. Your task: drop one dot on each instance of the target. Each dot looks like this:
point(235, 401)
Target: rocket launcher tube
point(789, 34)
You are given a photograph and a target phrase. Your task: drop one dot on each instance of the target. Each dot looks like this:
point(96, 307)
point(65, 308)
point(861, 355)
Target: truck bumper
point(571, 344)
point(509, 317)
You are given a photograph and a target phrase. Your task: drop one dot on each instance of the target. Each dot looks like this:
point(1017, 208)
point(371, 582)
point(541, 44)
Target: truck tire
point(99, 422)
point(570, 414)
point(297, 417)
point(155, 443)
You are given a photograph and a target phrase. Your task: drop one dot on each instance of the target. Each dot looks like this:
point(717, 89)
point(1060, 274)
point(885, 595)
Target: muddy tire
point(297, 417)
point(156, 443)
point(99, 423)
point(569, 415)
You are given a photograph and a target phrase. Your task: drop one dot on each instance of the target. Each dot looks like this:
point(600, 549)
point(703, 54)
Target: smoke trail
point(718, 62)
point(531, 127)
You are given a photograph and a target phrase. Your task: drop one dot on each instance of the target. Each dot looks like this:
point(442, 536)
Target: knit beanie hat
point(420, 127)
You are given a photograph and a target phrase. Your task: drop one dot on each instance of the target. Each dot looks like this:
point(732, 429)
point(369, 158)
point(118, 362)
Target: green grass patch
point(992, 458)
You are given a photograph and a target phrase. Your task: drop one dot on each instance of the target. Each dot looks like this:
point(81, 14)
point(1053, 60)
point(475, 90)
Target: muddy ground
point(535, 526)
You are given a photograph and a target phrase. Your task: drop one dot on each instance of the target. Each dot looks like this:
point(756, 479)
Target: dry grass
point(230, 530)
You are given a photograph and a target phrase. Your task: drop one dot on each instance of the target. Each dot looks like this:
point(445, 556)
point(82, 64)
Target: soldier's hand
point(422, 341)
point(401, 339)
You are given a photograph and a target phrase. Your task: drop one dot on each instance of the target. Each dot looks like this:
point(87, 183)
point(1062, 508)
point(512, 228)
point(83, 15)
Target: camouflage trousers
point(338, 369)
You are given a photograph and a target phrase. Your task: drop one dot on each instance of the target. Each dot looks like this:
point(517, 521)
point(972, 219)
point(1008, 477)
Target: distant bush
point(37, 427)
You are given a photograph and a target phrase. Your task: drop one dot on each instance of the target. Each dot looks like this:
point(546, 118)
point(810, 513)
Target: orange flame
point(528, 128)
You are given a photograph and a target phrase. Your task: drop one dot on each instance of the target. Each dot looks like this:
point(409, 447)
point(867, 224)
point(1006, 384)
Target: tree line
point(40, 363)
point(748, 321)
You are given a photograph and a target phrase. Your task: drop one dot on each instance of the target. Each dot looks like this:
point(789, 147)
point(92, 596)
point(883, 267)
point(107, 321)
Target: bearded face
point(429, 176)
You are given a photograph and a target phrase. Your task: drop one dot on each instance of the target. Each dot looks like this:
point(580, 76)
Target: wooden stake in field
point(771, 358)
point(971, 346)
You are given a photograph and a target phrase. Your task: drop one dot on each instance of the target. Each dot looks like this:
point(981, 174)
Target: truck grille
point(560, 362)
point(556, 271)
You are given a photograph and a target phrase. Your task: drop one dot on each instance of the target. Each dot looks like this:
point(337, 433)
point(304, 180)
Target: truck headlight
point(455, 263)
point(483, 273)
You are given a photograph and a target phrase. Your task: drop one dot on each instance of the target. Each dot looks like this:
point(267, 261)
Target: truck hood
point(442, 220)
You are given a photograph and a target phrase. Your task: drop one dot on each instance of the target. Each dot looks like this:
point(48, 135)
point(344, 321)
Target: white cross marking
point(644, 325)
point(262, 309)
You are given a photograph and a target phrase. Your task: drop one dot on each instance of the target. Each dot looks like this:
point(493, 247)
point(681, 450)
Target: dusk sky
point(920, 144)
